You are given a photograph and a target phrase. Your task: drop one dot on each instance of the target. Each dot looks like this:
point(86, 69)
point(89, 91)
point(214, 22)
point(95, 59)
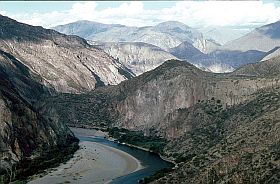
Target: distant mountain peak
point(172, 23)
point(92, 23)
point(164, 35)
point(263, 38)
point(272, 30)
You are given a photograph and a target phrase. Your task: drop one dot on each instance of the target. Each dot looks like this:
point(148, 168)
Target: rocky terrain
point(209, 119)
point(266, 69)
point(141, 57)
point(65, 63)
point(136, 56)
point(219, 128)
point(28, 140)
point(143, 102)
point(164, 35)
point(36, 63)
point(235, 145)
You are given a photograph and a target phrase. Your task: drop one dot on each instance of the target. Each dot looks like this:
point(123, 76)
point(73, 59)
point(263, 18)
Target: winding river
point(151, 161)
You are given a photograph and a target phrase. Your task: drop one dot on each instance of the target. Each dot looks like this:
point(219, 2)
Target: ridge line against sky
point(240, 15)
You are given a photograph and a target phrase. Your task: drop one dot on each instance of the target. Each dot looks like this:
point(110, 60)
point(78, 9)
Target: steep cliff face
point(137, 57)
point(25, 135)
point(235, 145)
point(21, 78)
point(65, 63)
point(181, 85)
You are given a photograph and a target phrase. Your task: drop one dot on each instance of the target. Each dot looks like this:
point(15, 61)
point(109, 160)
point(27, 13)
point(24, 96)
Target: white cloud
point(230, 13)
point(84, 10)
point(3, 12)
point(195, 14)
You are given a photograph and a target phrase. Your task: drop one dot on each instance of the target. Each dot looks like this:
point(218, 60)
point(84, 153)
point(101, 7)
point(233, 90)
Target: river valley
point(102, 161)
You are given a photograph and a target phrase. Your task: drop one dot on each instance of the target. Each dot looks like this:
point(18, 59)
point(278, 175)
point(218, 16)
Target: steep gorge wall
point(150, 104)
point(146, 101)
point(28, 141)
point(25, 134)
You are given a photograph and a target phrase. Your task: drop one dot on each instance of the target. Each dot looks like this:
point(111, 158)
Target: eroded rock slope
point(65, 63)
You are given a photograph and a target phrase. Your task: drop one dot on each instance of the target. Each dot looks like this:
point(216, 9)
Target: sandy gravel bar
point(93, 163)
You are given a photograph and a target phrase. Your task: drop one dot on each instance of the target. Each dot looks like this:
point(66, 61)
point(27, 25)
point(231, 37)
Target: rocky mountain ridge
point(218, 61)
point(164, 35)
point(183, 42)
point(272, 54)
point(65, 63)
point(143, 102)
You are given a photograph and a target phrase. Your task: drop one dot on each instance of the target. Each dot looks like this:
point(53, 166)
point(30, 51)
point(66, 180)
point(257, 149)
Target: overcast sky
point(245, 14)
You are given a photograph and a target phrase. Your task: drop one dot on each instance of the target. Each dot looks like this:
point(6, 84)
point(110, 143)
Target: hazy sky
point(245, 14)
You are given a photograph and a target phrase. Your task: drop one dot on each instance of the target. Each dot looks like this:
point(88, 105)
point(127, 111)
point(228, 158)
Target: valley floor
point(92, 163)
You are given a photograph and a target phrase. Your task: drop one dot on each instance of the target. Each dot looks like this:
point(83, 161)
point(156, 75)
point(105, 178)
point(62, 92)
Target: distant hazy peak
point(89, 23)
point(272, 30)
point(172, 24)
point(263, 38)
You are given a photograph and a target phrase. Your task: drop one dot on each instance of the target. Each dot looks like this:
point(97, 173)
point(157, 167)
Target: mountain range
point(219, 128)
point(183, 42)
point(164, 35)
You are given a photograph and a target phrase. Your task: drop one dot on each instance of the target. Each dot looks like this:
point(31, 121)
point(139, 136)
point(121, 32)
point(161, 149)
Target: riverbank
point(82, 132)
point(145, 149)
point(93, 163)
point(100, 133)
